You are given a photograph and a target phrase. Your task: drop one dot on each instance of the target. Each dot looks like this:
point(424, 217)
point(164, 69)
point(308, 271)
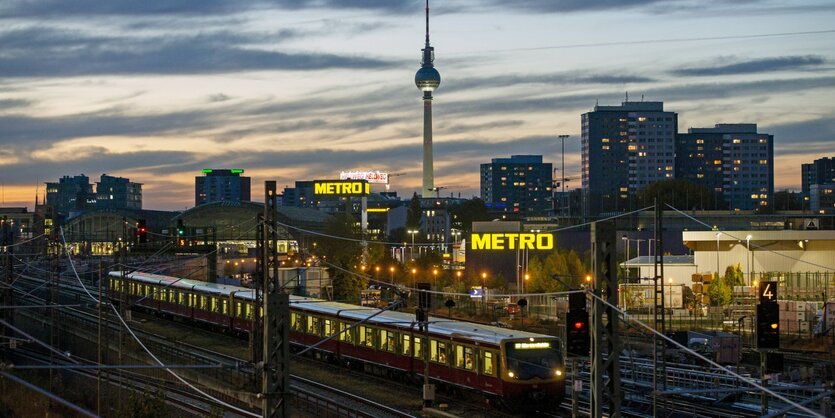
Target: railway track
point(323, 400)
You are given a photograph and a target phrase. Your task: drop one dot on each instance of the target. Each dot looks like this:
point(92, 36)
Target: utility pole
point(605, 371)
point(275, 384)
point(659, 363)
point(98, 345)
point(8, 273)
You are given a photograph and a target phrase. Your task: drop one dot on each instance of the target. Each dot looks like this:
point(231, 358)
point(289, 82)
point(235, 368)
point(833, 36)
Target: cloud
point(761, 65)
point(803, 136)
point(472, 83)
point(6, 104)
point(43, 52)
point(554, 6)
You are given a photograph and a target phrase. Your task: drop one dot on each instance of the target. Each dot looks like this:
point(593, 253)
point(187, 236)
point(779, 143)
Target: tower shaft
point(428, 168)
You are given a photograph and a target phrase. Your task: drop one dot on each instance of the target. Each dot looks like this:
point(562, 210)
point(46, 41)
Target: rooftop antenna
point(642, 97)
point(627, 96)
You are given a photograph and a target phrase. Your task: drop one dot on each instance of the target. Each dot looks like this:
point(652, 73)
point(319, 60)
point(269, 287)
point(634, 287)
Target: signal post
point(577, 341)
point(768, 335)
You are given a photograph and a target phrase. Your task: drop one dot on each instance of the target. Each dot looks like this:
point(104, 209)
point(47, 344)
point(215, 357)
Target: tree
point(414, 213)
point(734, 276)
point(719, 292)
point(681, 194)
point(463, 215)
point(342, 250)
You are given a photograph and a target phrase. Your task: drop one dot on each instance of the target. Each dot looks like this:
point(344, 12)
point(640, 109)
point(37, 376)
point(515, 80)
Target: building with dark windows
point(70, 194)
point(118, 193)
point(300, 196)
point(822, 198)
point(519, 185)
point(624, 149)
point(731, 160)
point(224, 185)
point(821, 171)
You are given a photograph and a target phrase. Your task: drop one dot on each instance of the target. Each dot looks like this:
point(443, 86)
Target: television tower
point(427, 79)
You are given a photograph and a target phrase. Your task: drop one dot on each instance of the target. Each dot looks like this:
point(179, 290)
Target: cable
point(705, 359)
point(48, 394)
point(145, 348)
point(753, 245)
point(648, 41)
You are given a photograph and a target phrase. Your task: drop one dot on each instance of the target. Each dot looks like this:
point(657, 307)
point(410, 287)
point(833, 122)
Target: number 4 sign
point(768, 292)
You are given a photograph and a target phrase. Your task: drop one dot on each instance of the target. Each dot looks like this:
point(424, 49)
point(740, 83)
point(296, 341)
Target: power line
point(48, 394)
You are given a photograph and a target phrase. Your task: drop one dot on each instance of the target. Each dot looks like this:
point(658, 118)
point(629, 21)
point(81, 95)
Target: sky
point(292, 90)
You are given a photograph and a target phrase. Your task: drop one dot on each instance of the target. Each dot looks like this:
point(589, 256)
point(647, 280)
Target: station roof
point(699, 239)
point(669, 260)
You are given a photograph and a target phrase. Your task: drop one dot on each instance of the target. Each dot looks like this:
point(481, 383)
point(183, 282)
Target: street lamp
point(718, 234)
point(391, 274)
point(626, 240)
point(483, 296)
point(414, 274)
point(377, 272)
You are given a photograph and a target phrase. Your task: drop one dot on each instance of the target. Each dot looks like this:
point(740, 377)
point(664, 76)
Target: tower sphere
point(427, 78)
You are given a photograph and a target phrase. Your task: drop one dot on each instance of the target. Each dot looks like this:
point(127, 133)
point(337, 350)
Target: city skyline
point(295, 90)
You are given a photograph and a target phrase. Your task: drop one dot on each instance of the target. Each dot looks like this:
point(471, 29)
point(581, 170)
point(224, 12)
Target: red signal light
point(578, 325)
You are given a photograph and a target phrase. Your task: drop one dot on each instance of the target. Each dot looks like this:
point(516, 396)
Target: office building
point(221, 185)
point(118, 193)
point(519, 185)
point(731, 160)
point(624, 149)
point(821, 171)
point(70, 194)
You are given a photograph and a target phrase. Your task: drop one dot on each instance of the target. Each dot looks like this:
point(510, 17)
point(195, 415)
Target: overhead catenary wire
point(718, 366)
point(752, 245)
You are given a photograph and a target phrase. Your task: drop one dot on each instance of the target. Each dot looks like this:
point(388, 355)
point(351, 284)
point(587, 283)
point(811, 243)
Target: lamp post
point(377, 272)
point(626, 240)
point(391, 274)
point(483, 296)
point(748, 245)
point(414, 280)
point(718, 234)
point(562, 172)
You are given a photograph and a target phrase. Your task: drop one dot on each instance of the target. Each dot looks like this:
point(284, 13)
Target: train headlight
point(511, 375)
point(558, 372)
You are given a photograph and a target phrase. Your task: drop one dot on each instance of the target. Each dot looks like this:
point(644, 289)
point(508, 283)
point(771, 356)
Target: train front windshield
point(527, 360)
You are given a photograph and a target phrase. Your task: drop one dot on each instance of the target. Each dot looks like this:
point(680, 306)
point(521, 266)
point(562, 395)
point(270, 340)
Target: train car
point(516, 369)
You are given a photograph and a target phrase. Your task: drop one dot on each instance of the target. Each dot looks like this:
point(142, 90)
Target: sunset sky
point(301, 89)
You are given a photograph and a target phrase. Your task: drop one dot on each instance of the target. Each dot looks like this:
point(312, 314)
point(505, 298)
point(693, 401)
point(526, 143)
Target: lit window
point(632, 147)
point(737, 141)
point(700, 141)
point(717, 162)
point(642, 119)
point(605, 147)
point(605, 140)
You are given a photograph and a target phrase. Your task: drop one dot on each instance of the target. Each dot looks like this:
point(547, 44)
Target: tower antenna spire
point(427, 22)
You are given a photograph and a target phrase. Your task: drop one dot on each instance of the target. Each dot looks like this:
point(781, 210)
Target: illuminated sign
point(512, 241)
point(233, 171)
point(374, 177)
point(348, 188)
point(531, 346)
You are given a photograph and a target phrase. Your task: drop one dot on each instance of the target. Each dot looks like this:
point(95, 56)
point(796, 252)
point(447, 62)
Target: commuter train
point(515, 369)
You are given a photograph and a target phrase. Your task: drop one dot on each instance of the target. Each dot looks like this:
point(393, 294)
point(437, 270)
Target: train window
point(437, 351)
point(366, 336)
point(225, 307)
point(192, 300)
point(328, 327)
point(204, 303)
point(147, 289)
point(312, 325)
point(418, 347)
point(248, 311)
point(159, 293)
point(464, 357)
point(345, 333)
point(171, 296)
point(213, 303)
point(181, 298)
point(488, 363)
point(388, 340)
point(261, 312)
point(239, 312)
point(406, 344)
point(296, 322)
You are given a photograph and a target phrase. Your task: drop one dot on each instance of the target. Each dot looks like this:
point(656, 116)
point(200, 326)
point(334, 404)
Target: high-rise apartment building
point(118, 193)
point(518, 185)
point(821, 171)
point(624, 149)
point(221, 185)
point(731, 160)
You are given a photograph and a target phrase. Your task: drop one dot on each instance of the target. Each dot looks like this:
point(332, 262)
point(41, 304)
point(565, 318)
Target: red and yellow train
point(517, 369)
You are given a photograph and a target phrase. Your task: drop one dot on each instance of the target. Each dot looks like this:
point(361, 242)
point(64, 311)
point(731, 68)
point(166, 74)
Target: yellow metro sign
point(346, 188)
point(511, 241)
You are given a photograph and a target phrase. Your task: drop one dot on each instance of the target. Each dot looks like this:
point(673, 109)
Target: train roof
point(487, 334)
